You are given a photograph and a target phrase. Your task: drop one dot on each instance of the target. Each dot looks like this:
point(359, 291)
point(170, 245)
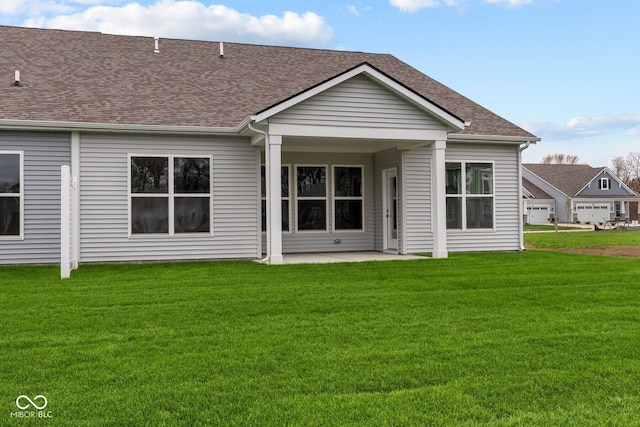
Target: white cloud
point(353, 10)
point(195, 20)
point(586, 127)
point(413, 5)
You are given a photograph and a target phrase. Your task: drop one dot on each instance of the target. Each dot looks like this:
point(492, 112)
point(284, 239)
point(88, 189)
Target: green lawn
point(508, 339)
point(596, 239)
point(547, 227)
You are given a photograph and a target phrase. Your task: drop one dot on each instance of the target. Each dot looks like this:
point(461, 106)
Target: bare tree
point(560, 159)
point(628, 170)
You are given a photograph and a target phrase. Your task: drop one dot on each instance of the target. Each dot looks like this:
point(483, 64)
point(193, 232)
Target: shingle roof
point(88, 77)
point(536, 191)
point(569, 179)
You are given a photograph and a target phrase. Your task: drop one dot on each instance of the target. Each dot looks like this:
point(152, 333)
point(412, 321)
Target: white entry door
point(390, 209)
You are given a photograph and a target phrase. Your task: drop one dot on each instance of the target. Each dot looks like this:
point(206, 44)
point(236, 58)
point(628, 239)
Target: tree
point(560, 159)
point(628, 170)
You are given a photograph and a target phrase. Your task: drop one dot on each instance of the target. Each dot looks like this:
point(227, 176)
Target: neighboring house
point(197, 150)
point(539, 206)
point(581, 193)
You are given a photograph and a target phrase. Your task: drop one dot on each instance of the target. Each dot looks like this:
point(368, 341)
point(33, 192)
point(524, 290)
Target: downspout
point(267, 184)
point(520, 202)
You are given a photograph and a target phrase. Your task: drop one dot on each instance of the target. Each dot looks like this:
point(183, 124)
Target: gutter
point(37, 125)
point(520, 202)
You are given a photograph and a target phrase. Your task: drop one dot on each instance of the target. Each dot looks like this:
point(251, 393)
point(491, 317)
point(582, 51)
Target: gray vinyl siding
point(506, 201)
point(387, 159)
point(417, 201)
point(324, 241)
point(358, 102)
point(615, 190)
point(104, 202)
point(44, 154)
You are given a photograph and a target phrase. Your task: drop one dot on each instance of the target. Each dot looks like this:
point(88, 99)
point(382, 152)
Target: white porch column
point(274, 198)
point(439, 199)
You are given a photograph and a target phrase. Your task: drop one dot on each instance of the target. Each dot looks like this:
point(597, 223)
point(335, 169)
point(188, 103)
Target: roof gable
point(89, 78)
point(615, 186)
point(382, 90)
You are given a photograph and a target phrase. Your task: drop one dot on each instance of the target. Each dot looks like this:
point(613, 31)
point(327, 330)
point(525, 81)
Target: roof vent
point(16, 80)
point(221, 50)
point(156, 44)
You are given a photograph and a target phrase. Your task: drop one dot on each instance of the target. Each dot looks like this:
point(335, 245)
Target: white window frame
point(604, 184)
point(170, 195)
point(336, 198)
point(288, 197)
point(20, 195)
point(325, 198)
point(464, 196)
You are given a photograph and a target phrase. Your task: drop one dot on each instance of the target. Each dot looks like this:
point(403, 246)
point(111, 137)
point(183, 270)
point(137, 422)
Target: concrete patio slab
point(329, 257)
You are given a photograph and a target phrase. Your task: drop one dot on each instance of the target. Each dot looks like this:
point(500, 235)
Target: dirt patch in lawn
point(627, 251)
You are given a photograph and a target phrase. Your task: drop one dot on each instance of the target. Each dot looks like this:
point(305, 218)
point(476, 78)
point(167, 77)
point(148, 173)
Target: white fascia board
point(358, 132)
point(493, 139)
point(393, 86)
point(108, 127)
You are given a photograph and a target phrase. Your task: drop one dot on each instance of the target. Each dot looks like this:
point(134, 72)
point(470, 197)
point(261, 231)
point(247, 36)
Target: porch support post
point(439, 199)
point(274, 197)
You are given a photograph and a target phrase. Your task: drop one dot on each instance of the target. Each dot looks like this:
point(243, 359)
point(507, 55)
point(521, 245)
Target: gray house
point(577, 193)
point(119, 148)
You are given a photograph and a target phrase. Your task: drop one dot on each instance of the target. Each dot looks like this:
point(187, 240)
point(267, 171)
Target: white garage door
point(593, 214)
point(538, 214)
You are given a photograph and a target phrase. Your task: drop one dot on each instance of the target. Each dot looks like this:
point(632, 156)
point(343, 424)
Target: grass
point(507, 339)
point(581, 240)
point(546, 227)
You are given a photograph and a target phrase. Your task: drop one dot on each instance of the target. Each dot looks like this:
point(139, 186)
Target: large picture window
point(470, 195)
point(11, 195)
point(285, 195)
point(348, 197)
point(170, 194)
point(311, 192)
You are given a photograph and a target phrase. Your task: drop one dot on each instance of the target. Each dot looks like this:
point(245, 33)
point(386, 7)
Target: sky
point(566, 70)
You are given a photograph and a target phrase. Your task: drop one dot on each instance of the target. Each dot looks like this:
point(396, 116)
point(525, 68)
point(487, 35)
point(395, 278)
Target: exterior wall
point(358, 102)
point(417, 175)
point(324, 241)
point(104, 224)
point(44, 154)
point(615, 190)
point(387, 159)
point(506, 234)
point(562, 212)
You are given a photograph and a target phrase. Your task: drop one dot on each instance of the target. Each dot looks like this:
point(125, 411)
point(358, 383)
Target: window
point(311, 191)
point(605, 184)
point(11, 195)
point(469, 200)
point(170, 195)
point(284, 179)
point(348, 197)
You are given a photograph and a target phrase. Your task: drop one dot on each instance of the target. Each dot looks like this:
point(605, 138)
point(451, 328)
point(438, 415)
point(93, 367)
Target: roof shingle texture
point(569, 179)
point(536, 191)
point(75, 76)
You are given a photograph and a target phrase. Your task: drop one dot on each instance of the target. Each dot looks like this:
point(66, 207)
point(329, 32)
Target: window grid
point(337, 198)
point(460, 196)
point(323, 199)
point(7, 220)
point(285, 196)
point(171, 195)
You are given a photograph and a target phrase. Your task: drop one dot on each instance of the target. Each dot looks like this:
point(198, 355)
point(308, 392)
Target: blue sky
point(566, 70)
